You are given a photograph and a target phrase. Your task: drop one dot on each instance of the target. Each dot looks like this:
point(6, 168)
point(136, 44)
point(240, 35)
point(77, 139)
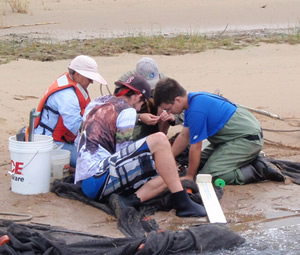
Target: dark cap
point(138, 84)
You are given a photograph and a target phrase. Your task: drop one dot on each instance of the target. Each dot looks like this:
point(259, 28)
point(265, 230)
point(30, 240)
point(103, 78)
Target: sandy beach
point(74, 19)
point(265, 77)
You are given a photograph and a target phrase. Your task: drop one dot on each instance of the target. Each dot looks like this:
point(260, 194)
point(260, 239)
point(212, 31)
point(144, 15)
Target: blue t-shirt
point(206, 115)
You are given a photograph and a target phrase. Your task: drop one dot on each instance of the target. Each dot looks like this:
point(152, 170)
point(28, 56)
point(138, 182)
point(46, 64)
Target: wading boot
point(118, 203)
point(259, 170)
point(185, 207)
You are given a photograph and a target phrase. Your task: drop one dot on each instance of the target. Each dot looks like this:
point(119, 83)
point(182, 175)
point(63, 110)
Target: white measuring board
point(211, 203)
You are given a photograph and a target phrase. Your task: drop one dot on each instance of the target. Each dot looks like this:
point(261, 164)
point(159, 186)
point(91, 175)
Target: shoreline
point(224, 31)
point(107, 19)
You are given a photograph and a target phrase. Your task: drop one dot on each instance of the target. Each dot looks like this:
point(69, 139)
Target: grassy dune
point(15, 46)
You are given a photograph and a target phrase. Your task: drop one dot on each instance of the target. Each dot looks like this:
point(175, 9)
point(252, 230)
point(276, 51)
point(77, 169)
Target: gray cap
point(147, 68)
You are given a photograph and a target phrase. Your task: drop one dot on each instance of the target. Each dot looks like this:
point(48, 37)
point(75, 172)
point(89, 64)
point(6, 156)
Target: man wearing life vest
point(64, 102)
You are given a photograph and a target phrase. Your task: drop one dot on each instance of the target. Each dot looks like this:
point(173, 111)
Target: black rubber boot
point(259, 170)
point(118, 203)
point(185, 207)
point(268, 172)
point(250, 174)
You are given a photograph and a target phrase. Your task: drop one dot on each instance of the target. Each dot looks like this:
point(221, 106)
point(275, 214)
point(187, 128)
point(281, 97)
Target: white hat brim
point(93, 76)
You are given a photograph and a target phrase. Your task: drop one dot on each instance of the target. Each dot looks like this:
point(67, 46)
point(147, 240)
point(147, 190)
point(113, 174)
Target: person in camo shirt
point(109, 164)
point(150, 118)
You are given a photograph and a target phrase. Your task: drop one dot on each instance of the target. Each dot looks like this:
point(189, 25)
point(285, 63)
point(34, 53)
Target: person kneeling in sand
point(235, 135)
point(110, 163)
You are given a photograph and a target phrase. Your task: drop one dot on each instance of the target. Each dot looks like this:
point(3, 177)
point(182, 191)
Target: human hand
point(164, 116)
point(148, 118)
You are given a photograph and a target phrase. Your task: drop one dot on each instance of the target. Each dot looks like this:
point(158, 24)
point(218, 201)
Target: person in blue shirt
point(235, 135)
point(111, 167)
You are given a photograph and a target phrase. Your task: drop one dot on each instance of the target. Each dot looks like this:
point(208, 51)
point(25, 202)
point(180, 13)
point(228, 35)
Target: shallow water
point(276, 241)
point(277, 233)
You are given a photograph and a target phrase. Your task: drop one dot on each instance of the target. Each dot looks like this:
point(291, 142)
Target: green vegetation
point(49, 50)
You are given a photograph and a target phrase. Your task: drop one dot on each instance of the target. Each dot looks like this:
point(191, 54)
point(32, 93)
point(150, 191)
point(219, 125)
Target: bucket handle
point(11, 173)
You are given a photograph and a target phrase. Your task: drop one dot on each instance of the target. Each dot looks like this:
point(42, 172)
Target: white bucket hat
point(147, 68)
point(87, 67)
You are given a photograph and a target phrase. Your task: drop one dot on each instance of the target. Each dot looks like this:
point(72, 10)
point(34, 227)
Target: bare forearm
point(194, 159)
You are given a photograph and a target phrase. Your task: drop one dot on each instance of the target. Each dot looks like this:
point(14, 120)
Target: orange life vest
point(60, 132)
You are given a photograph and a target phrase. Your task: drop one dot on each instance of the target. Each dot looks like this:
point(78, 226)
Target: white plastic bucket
point(30, 165)
point(60, 164)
